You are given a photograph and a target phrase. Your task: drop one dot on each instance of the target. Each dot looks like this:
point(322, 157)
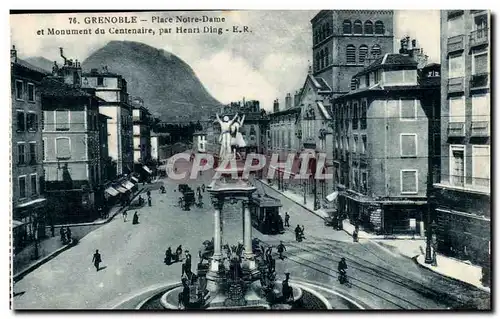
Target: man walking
point(287, 220)
point(52, 230)
point(68, 233)
point(281, 248)
point(124, 214)
point(61, 232)
point(187, 264)
point(96, 259)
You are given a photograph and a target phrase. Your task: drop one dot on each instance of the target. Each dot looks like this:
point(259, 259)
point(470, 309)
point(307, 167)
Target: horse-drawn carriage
point(265, 212)
point(188, 198)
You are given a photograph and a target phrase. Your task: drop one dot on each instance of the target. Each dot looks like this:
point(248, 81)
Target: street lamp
point(305, 191)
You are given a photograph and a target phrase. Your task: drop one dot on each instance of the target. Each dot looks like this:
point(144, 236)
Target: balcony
point(479, 81)
point(480, 129)
point(456, 129)
point(469, 184)
point(478, 37)
point(454, 13)
point(456, 85)
point(456, 43)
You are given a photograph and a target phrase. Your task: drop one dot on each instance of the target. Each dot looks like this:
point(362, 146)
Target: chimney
point(55, 69)
point(404, 45)
point(288, 101)
point(296, 98)
point(276, 106)
point(13, 54)
point(62, 55)
point(71, 72)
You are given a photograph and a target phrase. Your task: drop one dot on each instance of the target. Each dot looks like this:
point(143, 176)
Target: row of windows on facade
point(21, 182)
point(480, 166)
point(323, 57)
point(479, 61)
point(25, 90)
point(456, 26)
point(408, 144)
point(348, 28)
point(480, 108)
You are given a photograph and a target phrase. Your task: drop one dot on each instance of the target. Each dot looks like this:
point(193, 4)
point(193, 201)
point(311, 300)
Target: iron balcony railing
point(478, 37)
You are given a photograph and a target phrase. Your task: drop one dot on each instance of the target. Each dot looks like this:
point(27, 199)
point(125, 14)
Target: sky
point(263, 64)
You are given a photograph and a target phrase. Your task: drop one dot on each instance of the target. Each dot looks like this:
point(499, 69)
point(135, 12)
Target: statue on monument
point(225, 136)
point(237, 140)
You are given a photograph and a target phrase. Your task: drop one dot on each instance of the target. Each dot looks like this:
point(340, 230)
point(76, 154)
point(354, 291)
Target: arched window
point(327, 57)
point(376, 52)
point(353, 84)
point(347, 27)
point(350, 54)
point(368, 27)
point(321, 59)
point(358, 27)
point(379, 27)
point(363, 52)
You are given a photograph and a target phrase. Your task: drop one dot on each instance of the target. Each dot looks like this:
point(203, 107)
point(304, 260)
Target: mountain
point(40, 62)
point(169, 87)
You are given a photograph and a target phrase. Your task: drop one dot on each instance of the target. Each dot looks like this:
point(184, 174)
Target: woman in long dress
point(237, 138)
point(225, 135)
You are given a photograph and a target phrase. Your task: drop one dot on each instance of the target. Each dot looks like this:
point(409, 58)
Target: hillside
point(169, 87)
point(40, 62)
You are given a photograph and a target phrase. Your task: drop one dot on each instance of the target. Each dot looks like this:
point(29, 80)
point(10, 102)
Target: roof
point(52, 87)
point(323, 110)
point(285, 112)
point(104, 116)
point(389, 60)
point(26, 65)
point(319, 83)
point(99, 73)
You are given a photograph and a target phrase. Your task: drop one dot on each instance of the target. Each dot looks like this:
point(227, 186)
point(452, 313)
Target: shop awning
point(111, 191)
point(121, 189)
point(147, 169)
point(31, 202)
point(135, 179)
point(332, 196)
point(17, 223)
point(128, 185)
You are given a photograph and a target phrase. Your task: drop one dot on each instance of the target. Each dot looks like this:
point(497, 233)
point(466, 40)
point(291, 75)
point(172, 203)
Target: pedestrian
point(148, 193)
point(135, 219)
point(198, 190)
point(96, 259)
point(186, 269)
point(203, 187)
point(168, 256)
point(302, 232)
point(200, 198)
point(281, 248)
point(68, 233)
point(63, 234)
point(149, 201)
point(124, 214)
point(178, 253)
point(52, 230)
point(297, 234)
point(287, 220)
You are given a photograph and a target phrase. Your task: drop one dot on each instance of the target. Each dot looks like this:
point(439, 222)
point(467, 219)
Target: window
point(22, 186)
point(316, 63)
point(358, 27)
point(21, 121)
point(100, 81)
point(368, 27)
point(355, 144)
point(347, 27)
point(34, 188)
point(376, 51)
point(289, 142)
point(21, 156)
point(43, 120)
point(62, 120)
point(31, 122)
point(363, 52)
point(31, 92)
point(355, 116)
point(376, 77)
point(19, 90)
point(480, 63)
point(481, 165)
point(480, 108)
point(363, 115)
point(408, 145)
point(321, 59)
point(409, 181)
point(364, 182)
point(63, 148)
point(408, 110)
point(379, 27)
point(457, 109)
point(457, 165)
point(456, 66)
point(351, 54)
point(32, 156)
point(327, 57)
point(363, 144)
point(456, 26)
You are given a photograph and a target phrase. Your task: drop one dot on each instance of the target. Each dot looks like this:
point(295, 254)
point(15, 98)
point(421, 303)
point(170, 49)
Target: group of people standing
point(65, 234)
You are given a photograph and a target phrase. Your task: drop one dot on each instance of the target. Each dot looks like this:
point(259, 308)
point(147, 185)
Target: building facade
point(383, 134)
point(26, 163)
point(72, 142)
point(344, 40)
point(462, 196)
point(112, 89)
point(142, 121)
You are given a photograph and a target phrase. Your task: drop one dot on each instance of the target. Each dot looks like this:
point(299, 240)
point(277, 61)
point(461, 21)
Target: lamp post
point(305, 191)
point(428, 250)
point(36, 254)
point(434, 244)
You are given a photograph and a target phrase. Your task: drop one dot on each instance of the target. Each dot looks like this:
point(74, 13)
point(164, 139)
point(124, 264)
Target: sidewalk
point(406, 246)
point(23, 262)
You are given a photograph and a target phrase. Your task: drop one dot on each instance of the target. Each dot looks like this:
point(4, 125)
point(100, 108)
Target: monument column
point(248, 235)
point(217, 257)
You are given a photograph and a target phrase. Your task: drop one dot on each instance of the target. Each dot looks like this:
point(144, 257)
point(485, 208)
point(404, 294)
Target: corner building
point(346, 41)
